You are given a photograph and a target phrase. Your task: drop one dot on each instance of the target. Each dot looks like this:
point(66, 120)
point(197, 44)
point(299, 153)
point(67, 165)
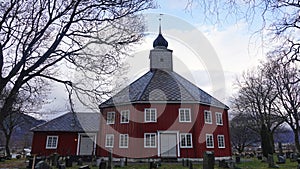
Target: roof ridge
point(183, 85)
point(42, 124)
point(143, 91)
point(212, 97)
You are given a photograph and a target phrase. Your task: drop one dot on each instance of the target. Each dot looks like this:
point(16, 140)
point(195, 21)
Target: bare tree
point(285, 78)
point(256, 98)
point(25, 101)
point(281, 18)
point(38, 36)
point(242, 134)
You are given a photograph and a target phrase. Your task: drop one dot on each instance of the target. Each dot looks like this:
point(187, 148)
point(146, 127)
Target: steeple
point(161, 57)
point(160, 41)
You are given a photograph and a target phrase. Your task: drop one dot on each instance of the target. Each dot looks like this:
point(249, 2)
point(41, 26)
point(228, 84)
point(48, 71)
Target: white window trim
point(120, 141)
point(122, 112)
point(207, 135)
point(223, 141)
point(207, 122)
point(221, 116)
point(189, 112)
point(113, 140)
point(149, 121)
point(185, 134)
point(48, 141)
point(114, 119)
point(145, 146)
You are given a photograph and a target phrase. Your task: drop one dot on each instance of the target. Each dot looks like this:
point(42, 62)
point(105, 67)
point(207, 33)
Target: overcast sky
point(209, 53)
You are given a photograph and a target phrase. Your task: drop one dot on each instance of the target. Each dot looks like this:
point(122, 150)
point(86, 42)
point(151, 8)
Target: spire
point(160, 41)
point(160, 24)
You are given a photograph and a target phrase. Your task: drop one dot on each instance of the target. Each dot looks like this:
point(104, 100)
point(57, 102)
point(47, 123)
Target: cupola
point(161, 57)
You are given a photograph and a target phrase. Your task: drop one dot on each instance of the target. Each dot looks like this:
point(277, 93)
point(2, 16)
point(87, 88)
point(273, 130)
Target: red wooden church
point(163, 115)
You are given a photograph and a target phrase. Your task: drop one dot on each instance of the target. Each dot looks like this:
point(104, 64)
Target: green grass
point(257, 164)
point(245, 164)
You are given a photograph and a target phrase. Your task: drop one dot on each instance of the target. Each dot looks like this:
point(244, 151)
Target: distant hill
point(22, 136)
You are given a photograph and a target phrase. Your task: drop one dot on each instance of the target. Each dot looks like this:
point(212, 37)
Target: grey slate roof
point(158, 85)
point(72, 122)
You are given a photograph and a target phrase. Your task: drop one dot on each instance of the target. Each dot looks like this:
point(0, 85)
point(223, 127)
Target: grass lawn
point(248, 164)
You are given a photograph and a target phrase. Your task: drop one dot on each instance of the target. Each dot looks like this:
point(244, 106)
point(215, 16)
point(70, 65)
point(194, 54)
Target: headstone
point(55, 157)
point(102, 164)
point(223, 164)
point(61, 166)
point(84, 167)
point(69, 161)
point(190, 165)
point(42, 165)
point(280, 148)
point(79, 161)
point(122, 162)
point(151, 165)
point(281, 160)
point(208, 160)
point(237, 159)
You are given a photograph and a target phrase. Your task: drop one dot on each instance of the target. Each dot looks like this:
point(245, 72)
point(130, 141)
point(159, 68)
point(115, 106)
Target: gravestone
point(280, 148)
point(42, 165)
point(208, 160)
point(84, 167)
point(281, 160)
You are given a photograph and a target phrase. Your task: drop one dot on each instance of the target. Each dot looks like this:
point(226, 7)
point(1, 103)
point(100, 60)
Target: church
point(163, 115)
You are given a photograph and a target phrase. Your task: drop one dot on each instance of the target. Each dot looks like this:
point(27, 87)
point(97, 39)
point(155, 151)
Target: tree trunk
point(7, 140)
point(296, 139)
point(266, 141)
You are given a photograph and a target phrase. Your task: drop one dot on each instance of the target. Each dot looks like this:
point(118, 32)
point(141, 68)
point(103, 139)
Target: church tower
point(161, 57)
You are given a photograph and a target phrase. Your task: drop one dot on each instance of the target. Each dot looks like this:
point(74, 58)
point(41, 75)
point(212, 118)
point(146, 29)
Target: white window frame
point(122, 140)
point(108, 136)
point(152, 136)
point(123, 113)
point(152, 112)
point(221, 140)
point(184, 135)
point(219, 117)
point(210, 137)
point(52, 145)
point(186, 112)
point(210, 115)
point(111, 120)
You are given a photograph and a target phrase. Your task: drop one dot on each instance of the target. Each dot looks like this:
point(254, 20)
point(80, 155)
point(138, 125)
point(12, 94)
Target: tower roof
point(160, 41)
point(162, 86)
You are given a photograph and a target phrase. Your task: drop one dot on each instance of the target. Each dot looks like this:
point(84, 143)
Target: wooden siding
point(67, 143)
point(167, 120)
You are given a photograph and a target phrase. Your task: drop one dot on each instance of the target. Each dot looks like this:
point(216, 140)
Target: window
point(209, 141)
point(184, 115)
point(109, 140)
point(207, 117)
point(123, 141)
point(150, 115)
point(125, 116)
point(110, 118)
point(149, 140)
point(221, 141)
point(51, 142)
point(186, 140)
point(219, 120)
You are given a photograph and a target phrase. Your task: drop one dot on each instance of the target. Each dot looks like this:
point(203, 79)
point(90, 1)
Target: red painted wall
point(167, 119)
point(67, 143)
